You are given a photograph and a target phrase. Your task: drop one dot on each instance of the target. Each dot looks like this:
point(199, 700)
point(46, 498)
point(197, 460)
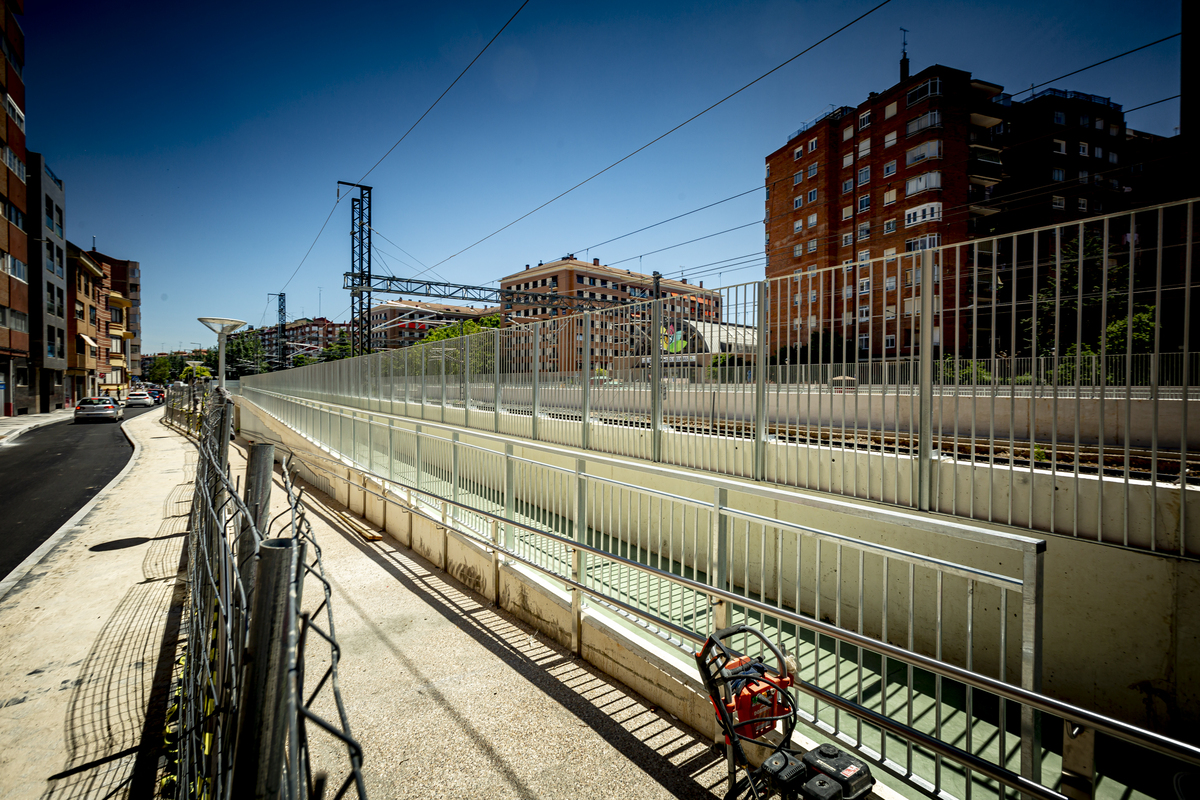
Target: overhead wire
point(1098, 63)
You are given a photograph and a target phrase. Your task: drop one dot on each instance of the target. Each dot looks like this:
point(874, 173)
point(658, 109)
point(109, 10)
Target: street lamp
point(222, 327)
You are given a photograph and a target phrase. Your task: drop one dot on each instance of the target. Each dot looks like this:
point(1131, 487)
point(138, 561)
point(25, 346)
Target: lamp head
point(222, 324)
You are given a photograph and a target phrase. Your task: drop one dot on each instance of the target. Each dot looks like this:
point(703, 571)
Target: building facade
point(48, 291)
point(127, 284)
point(87, 324)
point(16, 394)
point(401, 323)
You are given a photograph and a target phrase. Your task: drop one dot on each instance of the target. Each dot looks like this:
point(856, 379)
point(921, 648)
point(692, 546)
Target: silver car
point(104, 408)
point(139, 399)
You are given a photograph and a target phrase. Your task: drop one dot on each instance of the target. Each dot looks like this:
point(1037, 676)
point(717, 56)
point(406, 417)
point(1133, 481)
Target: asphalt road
point(48, 474)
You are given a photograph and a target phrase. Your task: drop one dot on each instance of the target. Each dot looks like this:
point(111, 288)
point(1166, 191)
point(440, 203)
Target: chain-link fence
point(245, 713)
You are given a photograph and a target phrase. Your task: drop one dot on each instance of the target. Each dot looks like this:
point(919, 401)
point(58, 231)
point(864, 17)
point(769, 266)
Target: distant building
point(400, 323)
point(127, 282)
point(18, 394)
point(48, 293)
point(305, 335)
point(87, 295)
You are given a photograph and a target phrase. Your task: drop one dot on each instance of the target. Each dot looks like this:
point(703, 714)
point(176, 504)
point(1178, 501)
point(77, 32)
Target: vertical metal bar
point(1032, 579)
point(510, 492)
point(585, 411)
point(496, 380)
point(656, 384)
point(536, 328)
point(1187, 381)
point(760, 385)
point(925, 440)
point(718, 550)
point(1155, 363)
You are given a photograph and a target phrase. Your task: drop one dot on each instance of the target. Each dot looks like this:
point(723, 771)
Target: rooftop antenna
point(904, 56)
point(93, 242)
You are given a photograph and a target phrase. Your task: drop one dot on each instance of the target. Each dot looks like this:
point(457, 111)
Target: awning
point(88, 339)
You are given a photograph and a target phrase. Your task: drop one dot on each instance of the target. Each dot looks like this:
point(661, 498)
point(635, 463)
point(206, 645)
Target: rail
point(596, 574)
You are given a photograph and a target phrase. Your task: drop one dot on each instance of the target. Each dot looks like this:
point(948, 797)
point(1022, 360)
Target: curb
point(8, 437)
point(21, 570)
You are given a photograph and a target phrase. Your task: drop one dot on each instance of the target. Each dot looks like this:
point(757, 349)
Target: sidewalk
point(88, 631)
point(12, 427)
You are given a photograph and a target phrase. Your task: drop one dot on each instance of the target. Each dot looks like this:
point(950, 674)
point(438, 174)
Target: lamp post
point(222, 326)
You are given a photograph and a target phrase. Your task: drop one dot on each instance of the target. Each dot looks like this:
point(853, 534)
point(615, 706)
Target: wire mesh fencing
point(247, 711)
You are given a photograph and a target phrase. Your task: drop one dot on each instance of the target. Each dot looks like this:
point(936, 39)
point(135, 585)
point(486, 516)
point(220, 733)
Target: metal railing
point(671, 564)
point(1060, 356)
point(246, 708)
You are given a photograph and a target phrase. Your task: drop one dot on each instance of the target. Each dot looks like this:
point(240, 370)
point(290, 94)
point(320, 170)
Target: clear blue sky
point(206, 140)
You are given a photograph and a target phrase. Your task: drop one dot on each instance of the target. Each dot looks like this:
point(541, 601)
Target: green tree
point(302, 360)
point(338, 350)
point(244, 354)
point(201, 372)
point(160, 370)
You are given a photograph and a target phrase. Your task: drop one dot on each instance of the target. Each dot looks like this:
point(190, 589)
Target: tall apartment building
point(48, 284)
point(304, 335)
point(401, 323)
point(87, 324)
point(16, 396)
point(127, 282)
point(938, 158)
point(610, 339)
point(114, 375)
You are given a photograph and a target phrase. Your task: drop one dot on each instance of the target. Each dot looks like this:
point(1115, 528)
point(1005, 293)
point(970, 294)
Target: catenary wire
point(1098, 63)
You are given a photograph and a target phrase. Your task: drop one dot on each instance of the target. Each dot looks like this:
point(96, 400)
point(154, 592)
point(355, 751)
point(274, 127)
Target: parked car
point(102, 408)
point(138, 399)
point(157, 394)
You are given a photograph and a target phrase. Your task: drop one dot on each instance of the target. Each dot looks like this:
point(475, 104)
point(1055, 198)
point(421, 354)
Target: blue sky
point(206, 140)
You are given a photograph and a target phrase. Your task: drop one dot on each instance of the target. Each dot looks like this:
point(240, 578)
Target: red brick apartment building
point(16, 396)
point(939, 158)
point(401, 323)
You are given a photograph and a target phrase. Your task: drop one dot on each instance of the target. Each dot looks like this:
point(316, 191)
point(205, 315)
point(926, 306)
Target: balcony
point(985, 169)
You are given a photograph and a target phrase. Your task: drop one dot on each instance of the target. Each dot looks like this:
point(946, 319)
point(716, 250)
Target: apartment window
point(847, 185)
point(889, 139)
point(1098, 152)
point(864, 119)
point(925, 242)
point(797, 153)
point(864, 256)
point(889, 341)
point(864, 284)
point(864, 175)
point(1058, 202)
point(812, 245)
point(1099, 124)
point(812, 195)
point(923, 182)
point(848, 264)
point(847, 239)
point(78, 310)
point(797, 226)
point(812, 220)
point(889, 226)
point(929, 212)
point(797, 202)
point(1083, 148)
point(19, 322)
point(1058, 175)
point(847, 291)
point(864, 315)
point(1060, 118)
point(889, 197)
point(14, 112)
point(1112, 157)
point(930, 149)
point(812, 170)
point(1083, 176)
point(812, 296)
point(890, 111)
point(889, 283)
point(1113, 130)
point(908, 276)
point(889, 169)
point(864, 230)
point(864, 203)
point(864, 148)
point(50, 298)
point(812, 145)
point(1084, 120)
point(847, 132)
point(1060, 146)
point(847, 212)
point(797, 251)
point(799, 176)
point(848, 159)
point(1083, 204)
point(929, 88)
point(14, 163)
point(933, 119)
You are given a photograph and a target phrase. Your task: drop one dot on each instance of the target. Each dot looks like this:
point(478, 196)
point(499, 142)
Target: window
point(797, 202)
point(864, 256)
point(864, 203)
point(864, 175)
point(1060, 118)
point(889, 169)
point(864, 314)
point(1058, 175)
point(923, 182)
point(890, 111)
point(1083, 148)
point(930, 149)
point(92, 315)
point(889, 283)
point(929, 212)
point(1058, 202)
point(1060, 146)
point(864, 148)
point(922, 243)
point(812, 195)
point(1099, 124)
point(864, 230)
point(847, 239)
point(1098, 152)
point(14, 112)
point(889, 226)
point(19, 322)
point(1112, 157)
point(14, 163)
point(812, 296)
point(797, 226)
point(864, 342)
point(1085, 120)
point(847, 291)
point(889, 256)
point(847, 212)
point(912, 305)
point(13, 214)
point(1083, 176)
point(812, 170)
point(1083, 204)
point(929, 88)
point(799, 176)
point(812, 145)
point(847, 132)
point(889, 341)
point(797, 251)
point(931, 120)
point(889, 139)
point(889, 197)
point(848, 264)
point(812, 245)
point(797, 153)
point(864, 285)
point(848, 185)
point(812, 220)
point(864, 119)
point(848, 159)
point(1113, 130)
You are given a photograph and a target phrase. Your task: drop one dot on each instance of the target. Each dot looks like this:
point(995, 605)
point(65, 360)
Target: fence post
point(260, 469)
point(424, 376)
point(510, 490)
point(442, 360)
point(656, 384)
point(417, 446)
point(263, 707)
point(496, 380)
point(718, 555)
point(925, 436)
point(537, 368)
point(466, 380)
point(577, 556)
point(1032, 580)
point(454, 475)
point(585, 369)
point(760, 387)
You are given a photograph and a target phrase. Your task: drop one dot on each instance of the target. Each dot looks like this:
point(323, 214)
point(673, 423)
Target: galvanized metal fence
point(246, 708)
point(925, 666)
point(1057, 358)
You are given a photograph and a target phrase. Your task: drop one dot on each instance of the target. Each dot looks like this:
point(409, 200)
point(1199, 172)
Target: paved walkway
point(12, 427)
